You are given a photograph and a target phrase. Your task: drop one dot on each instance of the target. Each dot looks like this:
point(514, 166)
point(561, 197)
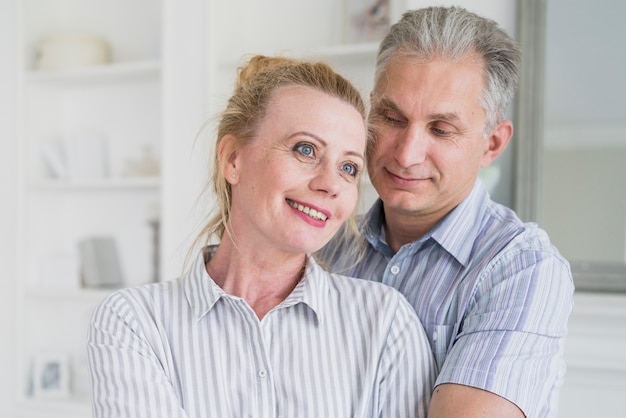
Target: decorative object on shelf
point(81, 155)
point(51, 376)
point(366, 20)
point(100, 264)
point(145, 166)
point(70, 50)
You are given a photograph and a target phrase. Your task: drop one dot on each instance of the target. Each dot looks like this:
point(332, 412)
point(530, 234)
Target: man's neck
point(401, 229)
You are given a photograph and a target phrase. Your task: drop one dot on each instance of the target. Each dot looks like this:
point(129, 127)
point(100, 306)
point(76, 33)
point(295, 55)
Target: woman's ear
point(497, 142)
point(228, 155)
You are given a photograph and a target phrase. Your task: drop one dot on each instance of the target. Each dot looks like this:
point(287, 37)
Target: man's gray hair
point(453, 33)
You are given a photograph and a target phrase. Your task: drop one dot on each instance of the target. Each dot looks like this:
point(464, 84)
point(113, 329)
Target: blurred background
point(103, 159)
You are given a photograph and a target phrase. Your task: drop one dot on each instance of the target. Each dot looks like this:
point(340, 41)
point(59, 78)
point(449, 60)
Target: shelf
point(71, 185)
point(119, 71)
point(72, 406)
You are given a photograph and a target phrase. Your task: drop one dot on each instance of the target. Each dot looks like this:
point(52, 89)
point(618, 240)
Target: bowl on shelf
point(70, 50)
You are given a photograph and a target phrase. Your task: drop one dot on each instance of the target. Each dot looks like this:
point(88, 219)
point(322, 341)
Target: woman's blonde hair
point(256, 82)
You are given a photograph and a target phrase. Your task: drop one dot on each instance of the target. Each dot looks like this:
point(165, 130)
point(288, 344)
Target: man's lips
point(397, 178)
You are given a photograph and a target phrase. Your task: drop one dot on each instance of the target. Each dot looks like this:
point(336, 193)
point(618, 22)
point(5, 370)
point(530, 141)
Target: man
point(492, 292)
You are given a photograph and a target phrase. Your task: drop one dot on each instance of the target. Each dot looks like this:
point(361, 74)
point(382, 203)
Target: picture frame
point(51, 376)
point(366, 20)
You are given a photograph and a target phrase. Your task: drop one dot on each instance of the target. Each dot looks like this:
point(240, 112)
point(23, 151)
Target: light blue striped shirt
point(492, 293)
point(336, 347)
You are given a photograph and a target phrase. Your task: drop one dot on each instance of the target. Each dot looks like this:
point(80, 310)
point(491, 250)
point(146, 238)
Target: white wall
point(595, 353)
point(8, 197)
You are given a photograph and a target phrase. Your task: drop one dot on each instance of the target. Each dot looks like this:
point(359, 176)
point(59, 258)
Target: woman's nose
point(327, 180)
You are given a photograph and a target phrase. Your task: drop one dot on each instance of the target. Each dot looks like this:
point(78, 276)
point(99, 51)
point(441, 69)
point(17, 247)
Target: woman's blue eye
point(306, 149)
point(350, 169)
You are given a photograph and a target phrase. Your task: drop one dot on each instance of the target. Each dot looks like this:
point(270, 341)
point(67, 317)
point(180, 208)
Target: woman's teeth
point(307, 210)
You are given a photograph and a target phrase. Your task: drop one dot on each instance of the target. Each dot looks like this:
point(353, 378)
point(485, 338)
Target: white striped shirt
point(492, 293)
point(336, 347)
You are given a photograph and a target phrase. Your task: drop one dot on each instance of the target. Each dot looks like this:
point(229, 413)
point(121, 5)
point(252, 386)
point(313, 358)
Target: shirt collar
point(458, 231)
point(312, 289)
point(452, 233)
point(203, 293)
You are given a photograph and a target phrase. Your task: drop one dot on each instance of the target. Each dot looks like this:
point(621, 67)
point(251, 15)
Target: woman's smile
point(311, 212)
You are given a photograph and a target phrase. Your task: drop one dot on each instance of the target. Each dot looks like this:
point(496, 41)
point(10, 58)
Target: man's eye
point(440, 131)
point(392, 118)
point(305, 149)
point(350, 169)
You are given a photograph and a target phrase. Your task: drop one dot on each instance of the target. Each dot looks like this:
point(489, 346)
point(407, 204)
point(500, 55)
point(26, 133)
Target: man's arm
point(512, 334)
point(458, 401)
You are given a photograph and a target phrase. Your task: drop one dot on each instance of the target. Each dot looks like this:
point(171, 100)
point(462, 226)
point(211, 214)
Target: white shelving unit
point(90, 141)
point(120, 71)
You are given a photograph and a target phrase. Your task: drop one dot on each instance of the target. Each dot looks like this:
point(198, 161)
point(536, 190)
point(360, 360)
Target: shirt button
point(395, 270)
point(262, 374)
point(435, 336)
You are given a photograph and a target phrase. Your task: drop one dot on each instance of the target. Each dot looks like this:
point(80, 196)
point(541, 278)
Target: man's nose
point(411, 146)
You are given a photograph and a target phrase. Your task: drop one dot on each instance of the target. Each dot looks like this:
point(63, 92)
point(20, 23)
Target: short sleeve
point(511, 339)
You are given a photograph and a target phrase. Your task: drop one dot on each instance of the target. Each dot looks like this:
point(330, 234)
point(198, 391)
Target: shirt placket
point(262, 379)
point(395, 271)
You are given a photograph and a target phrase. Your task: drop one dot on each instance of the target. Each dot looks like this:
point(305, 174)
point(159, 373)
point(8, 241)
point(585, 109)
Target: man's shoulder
point(502, 225)
point(502, 238)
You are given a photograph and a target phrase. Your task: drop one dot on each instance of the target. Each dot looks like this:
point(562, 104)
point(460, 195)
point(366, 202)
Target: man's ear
point(228, 155)
point(497, 142)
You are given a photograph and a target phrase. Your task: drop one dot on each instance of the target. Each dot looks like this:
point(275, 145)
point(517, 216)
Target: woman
point(256, 327)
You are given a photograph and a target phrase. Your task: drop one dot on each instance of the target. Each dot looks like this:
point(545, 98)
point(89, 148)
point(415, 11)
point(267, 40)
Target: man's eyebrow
point(446, 117)
point(386, 103)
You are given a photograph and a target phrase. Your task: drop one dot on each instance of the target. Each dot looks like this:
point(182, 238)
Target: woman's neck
point(263, 280)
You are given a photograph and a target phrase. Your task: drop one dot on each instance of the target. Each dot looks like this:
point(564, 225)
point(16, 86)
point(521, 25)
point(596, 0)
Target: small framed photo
point(366, 20)
point(51, 376)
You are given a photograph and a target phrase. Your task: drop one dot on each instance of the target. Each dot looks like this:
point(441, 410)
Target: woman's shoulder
point(352, 288)
point(141, 297)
